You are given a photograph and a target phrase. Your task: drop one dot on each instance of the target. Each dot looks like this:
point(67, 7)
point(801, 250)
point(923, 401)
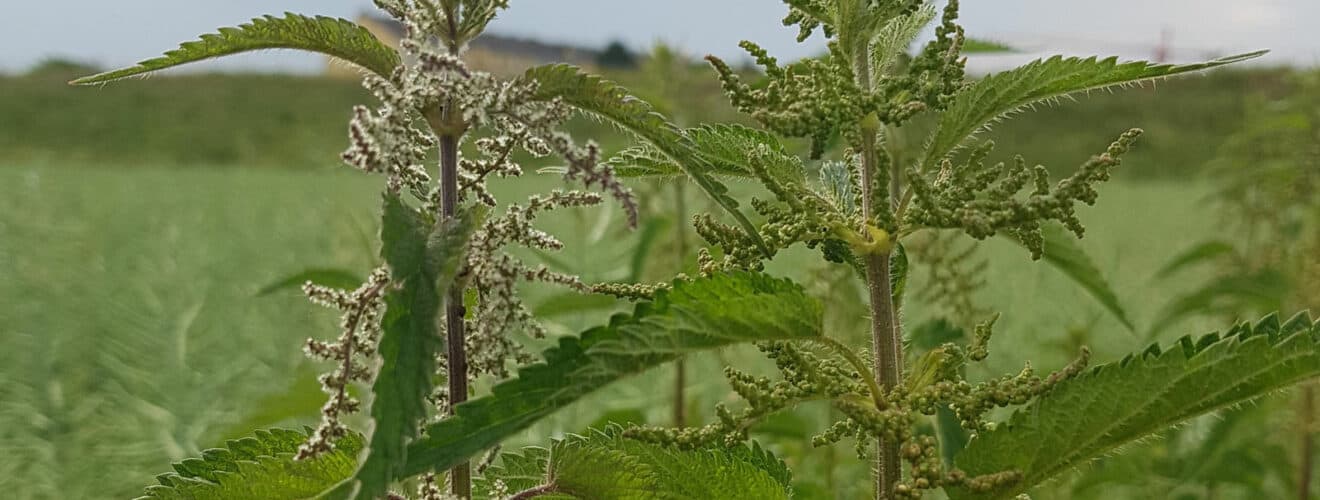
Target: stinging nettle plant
point(444, 303)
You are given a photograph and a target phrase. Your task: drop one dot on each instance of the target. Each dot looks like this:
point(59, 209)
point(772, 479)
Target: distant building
point(505, 56)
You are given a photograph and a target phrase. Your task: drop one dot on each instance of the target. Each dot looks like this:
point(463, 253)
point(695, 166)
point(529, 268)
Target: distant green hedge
point(299, 122)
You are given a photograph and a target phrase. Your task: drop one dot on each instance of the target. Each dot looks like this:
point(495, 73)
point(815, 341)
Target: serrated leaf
point(609, 101)
point(730, 150)
point(1063, 253)
point(896, 36)
point(1118, 403)
point(1001, 94)
point(261, 466)
point(423, 261)
point(698, 315)
point(604, 465)
point(340, 38)
point(323, 276)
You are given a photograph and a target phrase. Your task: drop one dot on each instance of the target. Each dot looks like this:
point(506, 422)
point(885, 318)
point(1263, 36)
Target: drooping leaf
point(1200, 253)
point(1261, 290)
point(609, 101)
point(603, 465)
point(261, 466)
point(646, 241)
point(1001, 94)
point(698, 315)
point(1063, 253)
point(340, 38)
point(302, 398)
point(423, 259)
point(1118, 403)
point(343, 279)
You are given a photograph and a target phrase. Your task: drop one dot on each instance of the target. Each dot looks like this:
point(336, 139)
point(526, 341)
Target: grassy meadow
point(139, 221)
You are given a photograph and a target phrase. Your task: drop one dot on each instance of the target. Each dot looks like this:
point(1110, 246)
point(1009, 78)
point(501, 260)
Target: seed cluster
point(821, 98)
point(984, 200)
point(936, 382)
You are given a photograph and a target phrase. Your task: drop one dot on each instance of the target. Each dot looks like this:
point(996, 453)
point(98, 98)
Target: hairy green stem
point(885, 342)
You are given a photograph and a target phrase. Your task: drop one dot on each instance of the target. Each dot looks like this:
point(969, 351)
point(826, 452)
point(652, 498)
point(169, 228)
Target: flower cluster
point(494, 274)
point(434, 101)
point(359, 333)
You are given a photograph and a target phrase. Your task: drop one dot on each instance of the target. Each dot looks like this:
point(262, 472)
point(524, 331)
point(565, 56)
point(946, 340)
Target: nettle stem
point(885, 342)
point(680, 367)
point(451, 132)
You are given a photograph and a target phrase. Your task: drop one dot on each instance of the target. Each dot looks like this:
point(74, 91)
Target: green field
point(132, 334)
point(138, 223)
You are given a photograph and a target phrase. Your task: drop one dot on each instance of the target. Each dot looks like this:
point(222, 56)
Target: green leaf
point(934, 333)
point(698, 315)
point(898, 274)
point(323, 276)
point(573, 302)
point(896, 36)
point(1116, 404)
point(1261, 290)
point(340, 38)
point(261, 466)
point(604, 465)
point(730, 150)
point(609, 101)
point(1063, 252)
point(998, 95)
point(981, 46)
point(423, 262)
point(646, 241)
point(1196, 255)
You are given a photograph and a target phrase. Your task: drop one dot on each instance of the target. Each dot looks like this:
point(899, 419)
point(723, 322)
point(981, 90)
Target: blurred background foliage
point(139, 224)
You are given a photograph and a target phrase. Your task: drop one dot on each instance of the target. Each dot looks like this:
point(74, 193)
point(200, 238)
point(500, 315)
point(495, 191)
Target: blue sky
point(124, 31)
